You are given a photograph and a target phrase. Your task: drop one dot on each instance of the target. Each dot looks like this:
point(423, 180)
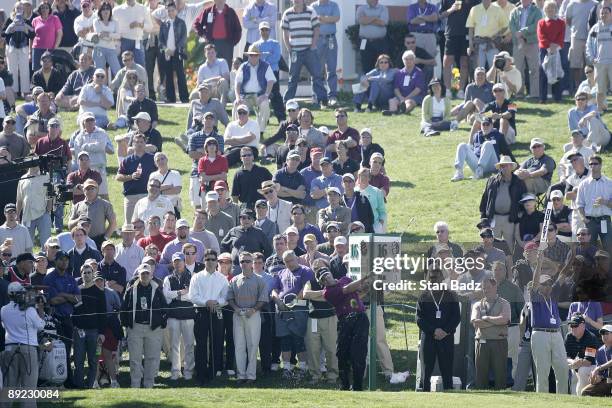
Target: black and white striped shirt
point(301, 27)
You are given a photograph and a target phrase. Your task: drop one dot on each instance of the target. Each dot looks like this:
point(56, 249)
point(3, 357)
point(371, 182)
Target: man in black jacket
point(89, 322)
point(47, 77)
point(81, 251)
point(354, 199)
point(173, 48)
point(504, 212)
point(143, 313)
point(437, 317)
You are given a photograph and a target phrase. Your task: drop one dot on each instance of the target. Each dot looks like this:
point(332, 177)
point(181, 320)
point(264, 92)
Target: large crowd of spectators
point(262, 267)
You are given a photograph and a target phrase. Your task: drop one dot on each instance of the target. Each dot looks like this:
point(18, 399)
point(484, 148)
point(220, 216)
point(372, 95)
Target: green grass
point(265, 397)
point(421, 194)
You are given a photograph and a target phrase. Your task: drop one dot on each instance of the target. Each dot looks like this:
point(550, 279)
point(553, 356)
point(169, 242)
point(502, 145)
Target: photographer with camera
point(503, 71)
point(22, 321)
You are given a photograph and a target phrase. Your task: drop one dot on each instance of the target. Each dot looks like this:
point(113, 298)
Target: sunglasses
point(581, 99)
point(594, 164)
point(144, 273)
point(242, 113)
point(189, 253)
point(556, 199)
point(300, 213)
point(582, 234)
point(246, 155)
point(55, 125)
point(552, 230)
point(498, 90)
point(291, 110)
point(268, 192)
point(340, 116)
point(100, 75)
point(6, 254)
point(225, 261)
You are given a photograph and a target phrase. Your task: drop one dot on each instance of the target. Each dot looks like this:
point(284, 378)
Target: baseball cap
point(82, 153)
point(487, 119)
point(247, 212)
point(324, 160)
point(54, 121)
point(148, 259)
point(606, 329)
point(527, 197)
point(291, 230)
point(309, 237)
point(291, 127)
point(292, 104)
point(100, 71)
point(52, 242)
point(556, 194)
point(340, 240)
point(576, 319)
point(89, 183)
point(107, 243)
point(498, 86)
point(324, 130)
point(220, 184)
point(182, 223)
point(486, 233)
point(293, 154)
point(332, 224)
point(178, 256)
point(242, 108)
point(61, 254)
point(143, 116)
point(26, 256)
point(577, 132)
point(261, 203)
point(10, 206)
point(536, 141)
point(366, 130)
point(203, 85)
point(264, 24)
point(333, 190)
point(348, 175)
point(483, 223)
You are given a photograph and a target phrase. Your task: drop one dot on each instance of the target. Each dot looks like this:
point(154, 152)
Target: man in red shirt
point(155, 235)
point(219, 24)
point(344, 132)
point(79, 176)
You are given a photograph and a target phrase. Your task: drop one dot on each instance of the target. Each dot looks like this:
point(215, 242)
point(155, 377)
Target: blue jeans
point(102, 121)
point(58, 217)
point(329, 61)
point(103, 56)
point(465, 155)
point(85, 345)
point(376, 95)
point(557, 88)
point(310, 59)
point(36, 54)
point(130, 45)
point(567, 83)
point(43, 225)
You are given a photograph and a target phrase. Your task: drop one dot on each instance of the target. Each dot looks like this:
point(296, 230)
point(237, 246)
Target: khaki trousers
point(262, 110)
point(548, 350)
point(247, 331)
point(142, 341)
point(324, 335)
point(382, 348)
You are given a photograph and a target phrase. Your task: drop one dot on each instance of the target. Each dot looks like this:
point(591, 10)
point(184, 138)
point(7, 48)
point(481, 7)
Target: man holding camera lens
point(503, 71)
point(22, 322)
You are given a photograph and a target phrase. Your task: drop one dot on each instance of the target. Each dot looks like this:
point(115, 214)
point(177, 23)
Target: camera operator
point(503, 71)
point(22, 322)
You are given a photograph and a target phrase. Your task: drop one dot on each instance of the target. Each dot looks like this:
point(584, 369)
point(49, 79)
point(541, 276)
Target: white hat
point(324, 130)
point(182, 223)
point(340, 240)
point(292, 104)
point(366, 130)
point(264, 24)
point(556, 194)
point(143, 116)
point(333, 189)
point(536, 141)
point(292, 229)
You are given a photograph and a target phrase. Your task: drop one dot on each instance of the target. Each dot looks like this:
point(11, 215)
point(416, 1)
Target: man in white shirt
point(83, 25)
point(133, 20)
point(254, 82)
point(214, 72)
point(595, 203)
point(129, 254)
point(208, 292)
point(239, 133)
point(11, 229)
point(97, 98)
point(153, 204)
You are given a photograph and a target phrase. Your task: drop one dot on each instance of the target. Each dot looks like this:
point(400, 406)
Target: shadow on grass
point(72, 401)
point(536, 111)
point(402, 184)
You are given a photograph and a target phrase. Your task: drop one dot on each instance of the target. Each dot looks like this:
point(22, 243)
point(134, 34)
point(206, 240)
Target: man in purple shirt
point(423, 24)
point(353, 324)
point(409, 86)
point(291, 312)
point(547, 345)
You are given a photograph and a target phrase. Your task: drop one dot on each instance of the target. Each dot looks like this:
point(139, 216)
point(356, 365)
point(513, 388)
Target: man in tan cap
point(537, 171)
point(254, 81)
